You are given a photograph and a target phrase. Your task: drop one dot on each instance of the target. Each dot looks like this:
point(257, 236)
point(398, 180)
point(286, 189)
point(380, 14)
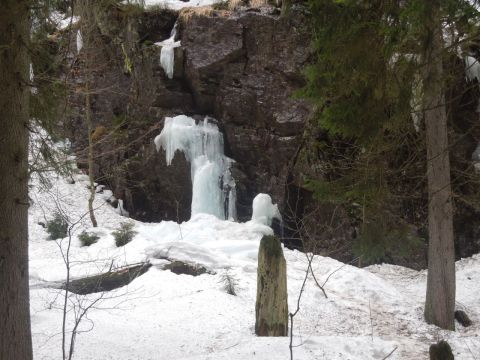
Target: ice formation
point(264, 211)
point(213, 187)
point(79, 41)
point(416, 102)
point(472, 68)
point(167, 53)
point(33, 89)
point(120, 209)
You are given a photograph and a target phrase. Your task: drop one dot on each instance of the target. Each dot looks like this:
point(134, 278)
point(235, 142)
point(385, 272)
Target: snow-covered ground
point(179, 4)
point(368, 313)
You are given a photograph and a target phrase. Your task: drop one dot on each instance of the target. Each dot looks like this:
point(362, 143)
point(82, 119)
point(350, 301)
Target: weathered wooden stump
point(441, 351)
point(271, 308)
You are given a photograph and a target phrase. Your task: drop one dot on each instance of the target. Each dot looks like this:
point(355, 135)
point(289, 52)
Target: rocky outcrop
point(244, 68)
point(240, 67)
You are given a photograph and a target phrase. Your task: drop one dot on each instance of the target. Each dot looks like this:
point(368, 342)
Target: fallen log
point(110, 280)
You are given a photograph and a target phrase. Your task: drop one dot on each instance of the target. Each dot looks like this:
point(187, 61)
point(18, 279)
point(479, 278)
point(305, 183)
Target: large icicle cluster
point(167, 53)
point(213, 190)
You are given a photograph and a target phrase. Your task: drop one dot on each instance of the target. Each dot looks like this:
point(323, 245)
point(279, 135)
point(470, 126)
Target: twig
point(371, 322)
point(296, 311)
point(338, 269)
point(386, 357)
point(313, 275)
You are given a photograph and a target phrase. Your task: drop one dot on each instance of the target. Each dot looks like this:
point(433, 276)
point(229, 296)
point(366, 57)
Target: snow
point(179, 4)
point(167, 52)
point(368, 313)
point(213, 189)
point(264, 211)
point(62, 21)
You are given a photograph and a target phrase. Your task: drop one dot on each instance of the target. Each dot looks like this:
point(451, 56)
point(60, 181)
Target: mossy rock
point(441, 351)
point(463, 318)
point(179, 267)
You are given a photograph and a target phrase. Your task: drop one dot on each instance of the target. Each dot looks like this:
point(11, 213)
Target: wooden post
point(271, 308)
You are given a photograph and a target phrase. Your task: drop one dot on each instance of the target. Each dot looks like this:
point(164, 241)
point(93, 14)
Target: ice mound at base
point(264, 211)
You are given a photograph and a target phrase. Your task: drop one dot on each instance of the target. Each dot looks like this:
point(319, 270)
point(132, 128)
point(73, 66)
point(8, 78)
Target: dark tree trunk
point(440, 299)
point(15, 335)
point(87, 9)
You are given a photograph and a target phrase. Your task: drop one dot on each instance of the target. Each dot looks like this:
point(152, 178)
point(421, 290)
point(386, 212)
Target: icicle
point(230, 190)
point(416, 102)
point(264, 211)
point(167, 53)
point(472, 73)
point(33, 89)
point(472, 69)
point(79, 41)
point(213, 187)
point(120, 209)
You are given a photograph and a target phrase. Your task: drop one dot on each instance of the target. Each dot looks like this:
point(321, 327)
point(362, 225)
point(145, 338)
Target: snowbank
point(368, 313)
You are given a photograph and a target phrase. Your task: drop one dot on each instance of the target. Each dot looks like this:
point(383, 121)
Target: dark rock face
point(244, 69)
point(155, 25)
point(241, 68)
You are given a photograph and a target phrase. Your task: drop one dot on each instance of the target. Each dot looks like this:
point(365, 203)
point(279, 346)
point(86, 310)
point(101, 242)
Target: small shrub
point(124, 234)
point(87, 239)
point(222, 5)
point(229, 282)
point(157, 9)
point(57, 228)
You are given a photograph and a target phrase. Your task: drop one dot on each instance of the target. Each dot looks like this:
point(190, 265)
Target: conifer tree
point(15, 334)
point(373, 59)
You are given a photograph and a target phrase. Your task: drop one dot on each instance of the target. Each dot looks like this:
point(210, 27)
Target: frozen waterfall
point(167, 53)
point(213, 187)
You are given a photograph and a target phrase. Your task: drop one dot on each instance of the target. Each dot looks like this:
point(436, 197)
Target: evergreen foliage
point(229, 282)
point(124, 234)
point(57, 228)
point(87, 239)
point(365, 85)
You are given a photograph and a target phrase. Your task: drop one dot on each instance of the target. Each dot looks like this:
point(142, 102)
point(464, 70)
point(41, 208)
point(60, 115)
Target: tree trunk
point(271, 308)
point(440, 299)
point(87, 28)
point(15, 335)
point(88, 117)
